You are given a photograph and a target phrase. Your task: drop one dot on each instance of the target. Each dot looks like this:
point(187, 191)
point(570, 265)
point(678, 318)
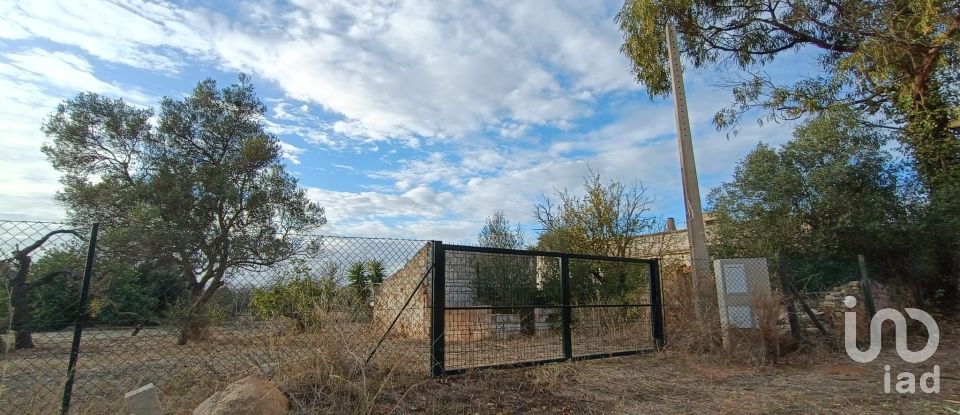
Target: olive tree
point(202, 186)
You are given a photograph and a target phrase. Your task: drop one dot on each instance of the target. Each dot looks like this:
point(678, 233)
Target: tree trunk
point(20, 305)
point(193, 327)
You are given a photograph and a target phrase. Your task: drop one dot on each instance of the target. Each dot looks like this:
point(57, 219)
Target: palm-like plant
point(376, 271)
point(359, 280)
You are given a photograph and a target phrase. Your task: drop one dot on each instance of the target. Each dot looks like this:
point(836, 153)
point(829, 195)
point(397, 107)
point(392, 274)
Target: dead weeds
point(814, 380)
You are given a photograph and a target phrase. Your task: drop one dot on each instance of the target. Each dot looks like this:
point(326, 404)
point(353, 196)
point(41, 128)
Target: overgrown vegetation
point(607, 219)
point(302, 296)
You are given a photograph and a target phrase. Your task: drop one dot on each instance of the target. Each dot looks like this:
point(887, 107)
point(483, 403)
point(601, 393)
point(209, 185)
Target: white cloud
point(32, 83)
point(400, 70)
point(291, 152)
point(346, 207)
point(418, 67)
point(465, 82)
point(64, 72)
point(118, 31)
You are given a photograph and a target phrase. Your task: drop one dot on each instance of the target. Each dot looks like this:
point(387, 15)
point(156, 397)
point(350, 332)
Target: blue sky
point(403, 118)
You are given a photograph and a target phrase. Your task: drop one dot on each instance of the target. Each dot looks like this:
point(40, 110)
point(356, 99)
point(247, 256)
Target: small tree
point(607, 219)
point(22, 283)
point(302, 297)
point(506, 280)
point(503, 280)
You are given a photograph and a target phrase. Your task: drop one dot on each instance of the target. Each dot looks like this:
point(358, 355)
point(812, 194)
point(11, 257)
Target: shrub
point(120, 299)
point(196, 324)
point(302, 298)
point(54, 304)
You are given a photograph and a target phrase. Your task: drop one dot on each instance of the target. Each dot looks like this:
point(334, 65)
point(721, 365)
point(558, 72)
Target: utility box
point(743, 285)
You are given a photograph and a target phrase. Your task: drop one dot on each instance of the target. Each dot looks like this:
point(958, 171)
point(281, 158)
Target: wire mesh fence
point(766, 299)
point(146, 326)
point(507, 307)
point(374, 298)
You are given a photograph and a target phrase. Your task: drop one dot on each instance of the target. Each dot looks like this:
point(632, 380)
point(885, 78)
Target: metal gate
point(494, 307)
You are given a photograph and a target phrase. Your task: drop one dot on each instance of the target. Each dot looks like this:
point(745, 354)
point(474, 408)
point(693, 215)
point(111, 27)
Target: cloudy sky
point(403, 118)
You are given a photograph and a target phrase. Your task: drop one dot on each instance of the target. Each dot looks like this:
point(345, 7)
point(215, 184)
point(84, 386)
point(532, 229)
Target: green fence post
point(81, 318)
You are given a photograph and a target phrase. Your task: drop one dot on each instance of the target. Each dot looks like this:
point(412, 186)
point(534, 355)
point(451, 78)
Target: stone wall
point(390, 296)
point(461, 325)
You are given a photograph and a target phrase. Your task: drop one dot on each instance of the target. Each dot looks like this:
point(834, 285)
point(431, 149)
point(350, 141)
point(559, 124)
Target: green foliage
point(831, 191)
point(120, 299)
point(4, 307)
point(194, 321)
point(504, 280)
point(163, 284)
point(497, 232)
point(202, 189)
point(116, 297)
point(303, 297)
point(892, 61)
point(606, 220)
point(359, 280)
point(53, 305)
point(376, 271)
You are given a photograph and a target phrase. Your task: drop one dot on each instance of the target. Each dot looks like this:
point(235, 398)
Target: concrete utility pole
point(699, 257)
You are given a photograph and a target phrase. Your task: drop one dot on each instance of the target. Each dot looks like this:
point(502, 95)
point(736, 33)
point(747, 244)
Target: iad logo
point(906, 381)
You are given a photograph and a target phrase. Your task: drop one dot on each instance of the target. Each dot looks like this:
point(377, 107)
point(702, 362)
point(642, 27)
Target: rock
point(250, 395)
point(142, 401)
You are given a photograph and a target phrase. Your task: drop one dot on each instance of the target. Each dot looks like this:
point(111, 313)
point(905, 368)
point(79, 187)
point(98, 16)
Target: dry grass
point(810, 381)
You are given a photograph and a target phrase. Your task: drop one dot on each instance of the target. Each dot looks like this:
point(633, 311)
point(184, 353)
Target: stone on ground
point(250, 395)
point(142, 401)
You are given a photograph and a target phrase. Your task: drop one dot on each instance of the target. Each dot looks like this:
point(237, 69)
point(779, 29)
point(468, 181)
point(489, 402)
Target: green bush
point(196, 324)
point(54, 304)
point(120, 299)
point(302, 297)
point(117, 295)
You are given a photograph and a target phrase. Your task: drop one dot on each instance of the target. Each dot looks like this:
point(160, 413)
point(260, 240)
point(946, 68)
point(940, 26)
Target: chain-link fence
point(146, 322)
point(773, 300)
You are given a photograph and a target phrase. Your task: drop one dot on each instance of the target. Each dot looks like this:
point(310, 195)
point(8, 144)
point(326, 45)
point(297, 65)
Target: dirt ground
point(663, 382)
point(674, 382)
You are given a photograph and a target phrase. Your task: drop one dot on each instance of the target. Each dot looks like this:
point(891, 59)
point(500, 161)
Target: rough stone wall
point(670, 244)
point(832, 309)
point(461, 325)
point(467, 325)
point(390, 296)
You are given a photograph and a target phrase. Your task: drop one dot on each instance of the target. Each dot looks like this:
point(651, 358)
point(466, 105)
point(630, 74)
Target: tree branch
point(46, 279)
point(37, 244)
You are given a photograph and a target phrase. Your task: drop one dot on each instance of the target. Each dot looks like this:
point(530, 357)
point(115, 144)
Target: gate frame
point(438, 306)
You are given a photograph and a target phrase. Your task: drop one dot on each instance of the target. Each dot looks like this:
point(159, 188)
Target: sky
point(403, 118)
